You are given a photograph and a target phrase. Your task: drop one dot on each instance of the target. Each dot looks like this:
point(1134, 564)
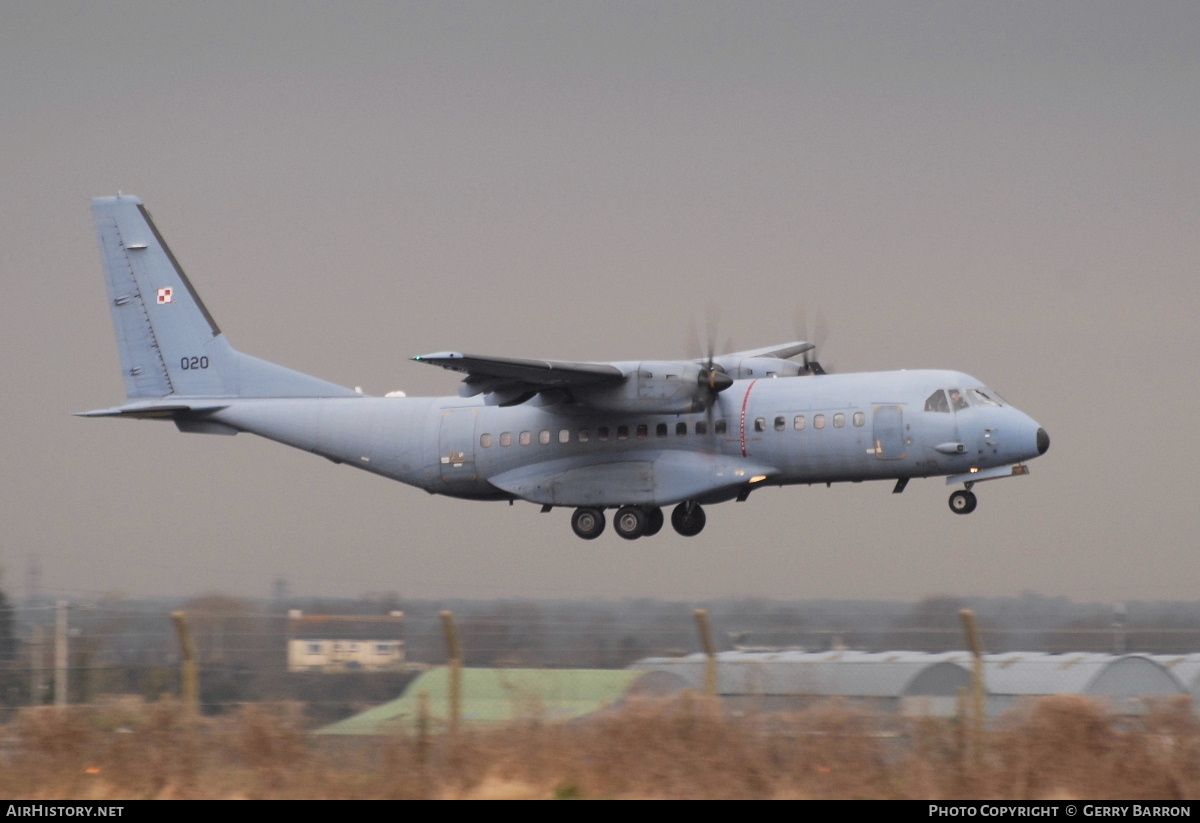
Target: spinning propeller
point(811, 366)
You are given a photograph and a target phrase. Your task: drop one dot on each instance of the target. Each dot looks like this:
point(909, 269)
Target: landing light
point(758, 478)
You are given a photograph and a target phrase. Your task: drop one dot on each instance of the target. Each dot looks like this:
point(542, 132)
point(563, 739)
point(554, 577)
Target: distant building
point(495, 697)
point(921, 683)
point(341, 643)
point(912, 683)
point(1124, 683)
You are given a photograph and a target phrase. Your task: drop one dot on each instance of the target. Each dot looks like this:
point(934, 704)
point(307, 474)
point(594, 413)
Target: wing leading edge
point(513, 380)
point(518, 379)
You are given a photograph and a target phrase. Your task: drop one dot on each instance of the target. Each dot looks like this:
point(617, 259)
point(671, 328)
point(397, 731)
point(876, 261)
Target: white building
point(341, 643)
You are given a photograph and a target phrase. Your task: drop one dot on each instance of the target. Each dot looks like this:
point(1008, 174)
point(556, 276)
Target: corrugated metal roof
point(902, 673)
point(844, 673)
point(1086, 673)
point(1184, 666)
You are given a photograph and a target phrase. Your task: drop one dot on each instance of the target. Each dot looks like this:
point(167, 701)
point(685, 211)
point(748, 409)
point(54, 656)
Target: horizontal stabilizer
point(154, 411)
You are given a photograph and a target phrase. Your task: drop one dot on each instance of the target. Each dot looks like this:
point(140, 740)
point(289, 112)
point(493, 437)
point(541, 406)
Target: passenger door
point(456, 445)
point(888, 431)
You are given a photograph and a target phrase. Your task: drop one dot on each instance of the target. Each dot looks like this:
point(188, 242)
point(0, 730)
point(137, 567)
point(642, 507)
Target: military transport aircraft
point(632, 436)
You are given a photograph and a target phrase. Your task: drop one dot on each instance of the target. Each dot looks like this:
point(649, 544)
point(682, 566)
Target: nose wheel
point(963, 502)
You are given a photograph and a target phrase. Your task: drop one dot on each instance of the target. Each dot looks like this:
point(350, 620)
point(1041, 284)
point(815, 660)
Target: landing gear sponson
point(632, 522)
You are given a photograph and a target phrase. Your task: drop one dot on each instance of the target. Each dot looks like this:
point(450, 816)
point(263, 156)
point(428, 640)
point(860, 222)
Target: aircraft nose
point(1043, 441)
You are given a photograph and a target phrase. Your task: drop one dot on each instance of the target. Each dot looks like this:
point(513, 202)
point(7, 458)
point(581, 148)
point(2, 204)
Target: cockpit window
point(978, 396)
point(957, 400)
point(937, 402)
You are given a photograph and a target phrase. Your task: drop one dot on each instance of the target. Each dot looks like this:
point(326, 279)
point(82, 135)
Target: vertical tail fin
point(169, 343)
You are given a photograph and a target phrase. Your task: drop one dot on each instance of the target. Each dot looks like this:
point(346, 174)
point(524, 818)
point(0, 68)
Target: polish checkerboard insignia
point(164, 295)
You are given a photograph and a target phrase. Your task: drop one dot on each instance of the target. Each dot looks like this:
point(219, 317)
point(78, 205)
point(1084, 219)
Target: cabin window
point(602, 433)
point(643, 430)
point(485, 440)
point(937, 402)
point(681, 429)
point(860, 419)
point(564, 436)
point(798, 423)
point(780, 423)
point(818, 421)
point(544, 436)
point(622, 432)
point(505, 438)
point(526, 438)
point(701, 427)
point(583, 435)
point(760, 424)
point(720, 427)
point(661, 430)
point(839, 420)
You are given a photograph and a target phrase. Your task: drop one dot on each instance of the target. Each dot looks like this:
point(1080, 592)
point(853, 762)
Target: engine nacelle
point(656, 387)
point(749, 368)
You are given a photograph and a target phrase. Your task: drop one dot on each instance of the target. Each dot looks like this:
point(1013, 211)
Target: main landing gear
point(588, 523)
point(963, 501)
point(632, 522)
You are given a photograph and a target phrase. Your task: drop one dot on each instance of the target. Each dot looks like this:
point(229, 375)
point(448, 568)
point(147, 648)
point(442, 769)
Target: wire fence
point(242, 647)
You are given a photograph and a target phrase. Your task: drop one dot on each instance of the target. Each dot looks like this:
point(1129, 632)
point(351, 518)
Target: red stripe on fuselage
point(745, 402)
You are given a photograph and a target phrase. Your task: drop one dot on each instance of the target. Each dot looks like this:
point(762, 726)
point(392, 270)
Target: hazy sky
point(1007, 189)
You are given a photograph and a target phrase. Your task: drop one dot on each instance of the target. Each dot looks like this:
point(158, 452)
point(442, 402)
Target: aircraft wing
point(650, 479)
point(517, 378)
point(782, 351)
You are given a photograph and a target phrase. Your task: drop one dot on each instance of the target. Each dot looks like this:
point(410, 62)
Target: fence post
point(189, 668)
point(61, 657)
point(456, 662)
point(710, 652)
point(971, 630)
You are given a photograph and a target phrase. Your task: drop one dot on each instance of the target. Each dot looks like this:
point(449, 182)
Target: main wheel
point(630, 522)
point(689, 524)
point(963, 502)
point(588, 523)
point(654, 522)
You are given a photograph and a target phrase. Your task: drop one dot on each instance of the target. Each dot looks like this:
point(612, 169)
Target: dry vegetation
point(1058, 748)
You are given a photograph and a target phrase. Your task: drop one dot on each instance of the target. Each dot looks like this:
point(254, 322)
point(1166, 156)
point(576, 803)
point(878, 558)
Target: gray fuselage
point(828, 428)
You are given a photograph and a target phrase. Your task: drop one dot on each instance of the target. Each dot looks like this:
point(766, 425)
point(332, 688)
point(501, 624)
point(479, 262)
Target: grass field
point(1056, 748)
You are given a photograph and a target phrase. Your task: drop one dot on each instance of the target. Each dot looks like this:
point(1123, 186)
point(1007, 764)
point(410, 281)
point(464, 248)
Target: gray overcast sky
point(1008, 189)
